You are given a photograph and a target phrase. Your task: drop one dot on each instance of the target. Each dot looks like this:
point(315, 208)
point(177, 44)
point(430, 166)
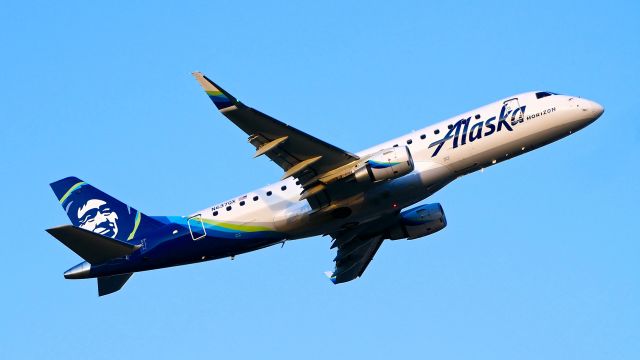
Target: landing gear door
point(512, 111)
point(196, 227)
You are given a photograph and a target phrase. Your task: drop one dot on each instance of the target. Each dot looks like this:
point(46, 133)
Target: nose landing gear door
point(196, 227)
point(512, 111)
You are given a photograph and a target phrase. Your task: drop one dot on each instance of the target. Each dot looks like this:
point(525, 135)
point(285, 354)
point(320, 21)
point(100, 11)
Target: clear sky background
point(540, 259)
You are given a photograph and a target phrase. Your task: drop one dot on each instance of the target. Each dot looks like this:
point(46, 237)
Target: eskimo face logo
point(97, 216)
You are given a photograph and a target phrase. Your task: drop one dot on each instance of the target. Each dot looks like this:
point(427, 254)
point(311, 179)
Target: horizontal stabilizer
point(111, 284)
point(92, 247)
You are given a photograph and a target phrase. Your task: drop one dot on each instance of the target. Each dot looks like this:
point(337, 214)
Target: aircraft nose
point(596, 109)
point(593, 108)
point(590, 110)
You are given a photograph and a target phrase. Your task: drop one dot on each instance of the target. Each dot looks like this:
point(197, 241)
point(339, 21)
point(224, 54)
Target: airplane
point(358, 199)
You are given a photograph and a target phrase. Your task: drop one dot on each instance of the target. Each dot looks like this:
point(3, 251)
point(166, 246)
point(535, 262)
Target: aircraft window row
point(410, 141)
point(423, 136)
point(541, 94)
point(255, 198)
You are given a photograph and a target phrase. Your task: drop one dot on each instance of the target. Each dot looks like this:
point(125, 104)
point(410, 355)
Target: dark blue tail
point(94, 210)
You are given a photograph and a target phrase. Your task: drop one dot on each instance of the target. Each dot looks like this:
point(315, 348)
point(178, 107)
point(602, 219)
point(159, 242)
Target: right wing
point(357, 246)
point(299, 154)
point(354, 257)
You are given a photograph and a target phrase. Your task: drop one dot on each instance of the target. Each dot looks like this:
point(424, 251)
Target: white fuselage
point(476, 139)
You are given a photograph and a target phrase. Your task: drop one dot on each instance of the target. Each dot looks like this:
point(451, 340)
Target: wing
point(299, 154)
point(358, 245)
point(353, 258)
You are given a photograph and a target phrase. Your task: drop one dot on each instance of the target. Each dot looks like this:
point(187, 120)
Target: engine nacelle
point(385, 165)
point(420, 221)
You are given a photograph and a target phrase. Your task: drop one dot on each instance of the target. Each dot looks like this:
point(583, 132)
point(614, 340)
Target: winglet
point(329, 274)
point(221, 99)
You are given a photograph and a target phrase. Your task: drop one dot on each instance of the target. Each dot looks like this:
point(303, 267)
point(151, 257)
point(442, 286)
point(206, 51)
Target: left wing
point(299, 154)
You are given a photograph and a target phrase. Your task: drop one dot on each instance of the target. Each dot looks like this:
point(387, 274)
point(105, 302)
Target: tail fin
point(94, 210)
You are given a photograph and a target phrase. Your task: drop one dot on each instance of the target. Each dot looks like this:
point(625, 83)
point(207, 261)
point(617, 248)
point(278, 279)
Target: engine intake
point(420, 221)
point(386, 164)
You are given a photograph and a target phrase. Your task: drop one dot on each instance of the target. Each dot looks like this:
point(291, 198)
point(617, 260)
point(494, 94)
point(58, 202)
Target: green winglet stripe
point(214, 93)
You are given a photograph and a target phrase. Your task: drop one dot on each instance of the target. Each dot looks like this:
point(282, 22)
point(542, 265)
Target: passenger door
point(196, 227)
point(512, 109)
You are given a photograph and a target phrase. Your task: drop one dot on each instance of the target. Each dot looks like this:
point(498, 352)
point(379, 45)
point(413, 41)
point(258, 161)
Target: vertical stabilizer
point(91, 209)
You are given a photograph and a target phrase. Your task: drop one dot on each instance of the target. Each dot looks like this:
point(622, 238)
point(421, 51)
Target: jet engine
point(420, 221)
point(385, 164)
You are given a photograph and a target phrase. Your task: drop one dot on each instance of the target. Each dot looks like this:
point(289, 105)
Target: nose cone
point(596, 109)
point(588, 111)
point(80, 271)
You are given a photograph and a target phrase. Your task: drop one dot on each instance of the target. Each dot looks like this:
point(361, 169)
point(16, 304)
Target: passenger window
point(269, 193)
point(242, 203)
point(215, 213)
point(436, 131)
point(423, 136)
point(228, 208)
point(255, 198)
point(396, 145)
point(283, 188)
point(477, 116)
point(409, 142)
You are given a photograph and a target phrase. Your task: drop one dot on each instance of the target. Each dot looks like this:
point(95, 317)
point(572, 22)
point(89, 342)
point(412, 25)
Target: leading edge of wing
point(224, 101)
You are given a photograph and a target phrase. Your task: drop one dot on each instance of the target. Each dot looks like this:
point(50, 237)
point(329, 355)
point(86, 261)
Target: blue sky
point(540, 257)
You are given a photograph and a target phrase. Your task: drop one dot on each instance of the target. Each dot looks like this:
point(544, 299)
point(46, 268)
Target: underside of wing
point(354, 257)
point(357, 246)
point(300, 155)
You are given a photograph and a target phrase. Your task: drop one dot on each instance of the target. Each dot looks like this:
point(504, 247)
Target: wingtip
point(219, 96)
point(330, 276)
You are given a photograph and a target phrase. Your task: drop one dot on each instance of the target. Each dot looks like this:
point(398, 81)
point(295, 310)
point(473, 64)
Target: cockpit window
point(541, 94)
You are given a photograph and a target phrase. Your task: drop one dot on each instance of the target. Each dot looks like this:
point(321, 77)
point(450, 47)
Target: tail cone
point(80, 271)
